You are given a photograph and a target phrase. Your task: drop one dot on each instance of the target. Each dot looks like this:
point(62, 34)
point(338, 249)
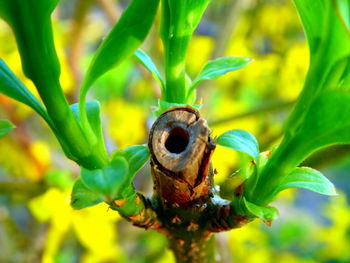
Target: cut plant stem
point(184, 206)
point(187, 208)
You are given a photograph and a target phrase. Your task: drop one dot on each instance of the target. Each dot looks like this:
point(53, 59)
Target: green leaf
point(343, 11)
point(326, 123)
point(83, 197)
point(12, 87)
point(5, 127)
point(241, 141)
point(93, 114)
point(109, 180)
point(218, 67)
point(312, 13)
point(307, 178)
point(329, 44)
point(136, 156)
point(31, 25)
point(267, 213)
point(147, 62)
point(123, 40)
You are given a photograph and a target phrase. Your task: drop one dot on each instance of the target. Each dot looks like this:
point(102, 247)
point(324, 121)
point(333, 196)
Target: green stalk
point(281, 162)
point(31, 24)
point(179, 20)
point(175, 71)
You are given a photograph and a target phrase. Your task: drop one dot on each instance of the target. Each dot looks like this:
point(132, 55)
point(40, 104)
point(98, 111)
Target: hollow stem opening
point(177, 140)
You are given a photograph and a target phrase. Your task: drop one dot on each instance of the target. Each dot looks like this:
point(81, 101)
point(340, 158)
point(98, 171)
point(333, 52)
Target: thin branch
point(76, 46)
point(10, 185)
point(111, 10)
point(232, 15)
point(145, 217)
point(276, 106)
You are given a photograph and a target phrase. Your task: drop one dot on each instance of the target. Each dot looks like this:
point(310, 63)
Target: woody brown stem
point(180, 148)
point(184, 206)
point(142, 213)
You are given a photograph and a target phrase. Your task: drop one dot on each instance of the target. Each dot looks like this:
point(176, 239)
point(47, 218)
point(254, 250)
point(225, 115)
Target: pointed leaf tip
point(5, 127)
point(108, 180)
point(218, 67)
point(308, 178)
point(83, 197)
point(241, 141)
point(266, 213)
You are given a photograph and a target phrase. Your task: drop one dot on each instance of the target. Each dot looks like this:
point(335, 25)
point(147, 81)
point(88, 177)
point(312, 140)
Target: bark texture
point(184, 206)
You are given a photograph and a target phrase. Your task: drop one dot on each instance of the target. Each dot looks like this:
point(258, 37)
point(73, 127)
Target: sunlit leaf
point(147, 62)
point(307, 178)
point(93, 113)
point(5, 127)
point(326, 123)
point(343, 10)
point(123, 40)
point(241, 141)
point(266, 213)
point(109, 180)
point(12, 87)
point(329, 44)
point(137, 156)
point(83, 197)
point(218, 67)
point(31, 25)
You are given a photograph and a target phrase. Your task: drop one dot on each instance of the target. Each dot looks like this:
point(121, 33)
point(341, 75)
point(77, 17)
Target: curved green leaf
point(308, 178)
point(326, 123)
point(218, 67)
point(93, 114)
point(137, 156)
point(329, 44)
point(147, 62)
point(31, 25)
point(123, 40)
point(108, 180)
point(5, 127)
point(12, 87)
point(241, 141)
point(267, 213)
point(343, 11)
point(83, 197)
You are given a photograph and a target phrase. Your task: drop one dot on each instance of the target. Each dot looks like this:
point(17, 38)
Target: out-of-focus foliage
point(36, 221)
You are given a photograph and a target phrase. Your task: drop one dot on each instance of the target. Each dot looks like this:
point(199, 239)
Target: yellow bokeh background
point(37, 223)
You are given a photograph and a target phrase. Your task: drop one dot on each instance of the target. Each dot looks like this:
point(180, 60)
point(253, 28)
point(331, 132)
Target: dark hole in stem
point(177, 140)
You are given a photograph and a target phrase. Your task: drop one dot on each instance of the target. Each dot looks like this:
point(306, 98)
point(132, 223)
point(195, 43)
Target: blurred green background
point(36, 221)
